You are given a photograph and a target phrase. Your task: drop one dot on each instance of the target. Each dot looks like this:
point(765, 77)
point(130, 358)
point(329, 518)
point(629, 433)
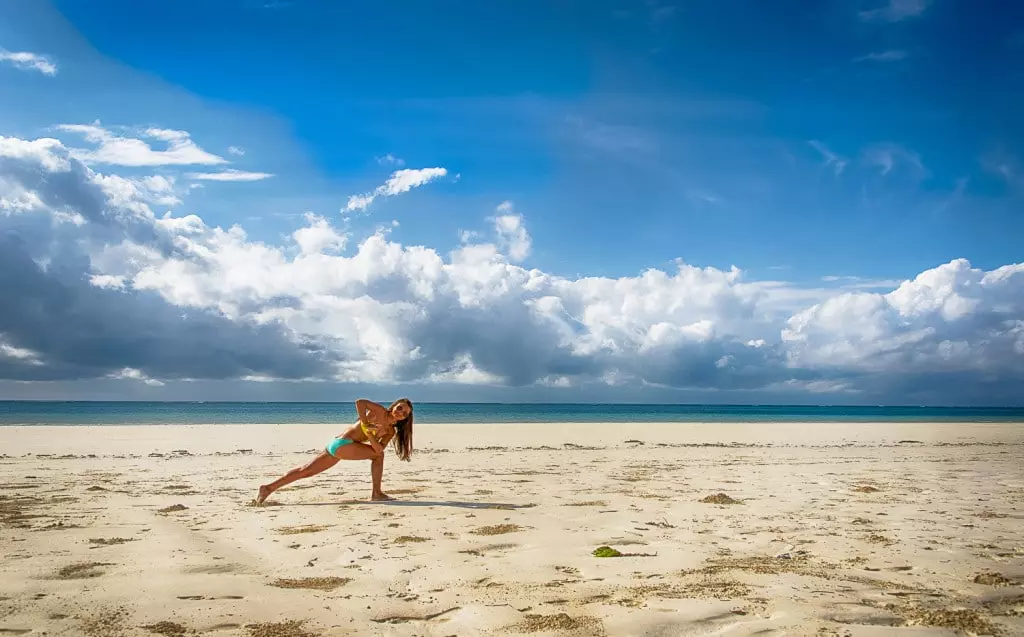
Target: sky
point(796, 202)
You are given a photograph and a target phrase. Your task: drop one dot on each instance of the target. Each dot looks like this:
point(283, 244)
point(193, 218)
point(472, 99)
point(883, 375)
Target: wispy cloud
point(896, 11)
point(703, 197)
point(861, 283)
point(390, 160)
point(29, 61)
point(660, 11)
point(831, 159)
point(230, 175)
point(892, 55)
point(612, 138)
point(129, 151)
point(1006, 167)
point(887, 157)
point(401, 181)
point(236, 150)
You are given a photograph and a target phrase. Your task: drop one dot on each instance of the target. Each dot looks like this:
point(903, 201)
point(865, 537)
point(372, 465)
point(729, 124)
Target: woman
point(366, 440)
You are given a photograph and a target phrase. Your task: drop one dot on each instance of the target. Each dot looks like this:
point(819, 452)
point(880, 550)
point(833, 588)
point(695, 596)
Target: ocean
point(172, 413)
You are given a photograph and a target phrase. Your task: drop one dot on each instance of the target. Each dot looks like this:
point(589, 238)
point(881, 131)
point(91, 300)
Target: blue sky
point(822, 148)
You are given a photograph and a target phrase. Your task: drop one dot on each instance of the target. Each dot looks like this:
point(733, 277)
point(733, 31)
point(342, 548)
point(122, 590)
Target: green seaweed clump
point(606, 551)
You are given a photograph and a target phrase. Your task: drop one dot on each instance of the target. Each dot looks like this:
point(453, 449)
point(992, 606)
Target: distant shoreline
point(72, 413)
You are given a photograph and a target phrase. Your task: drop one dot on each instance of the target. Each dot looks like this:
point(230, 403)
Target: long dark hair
point(403, 431)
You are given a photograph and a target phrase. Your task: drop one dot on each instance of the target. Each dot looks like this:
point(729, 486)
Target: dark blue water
point(169, 413)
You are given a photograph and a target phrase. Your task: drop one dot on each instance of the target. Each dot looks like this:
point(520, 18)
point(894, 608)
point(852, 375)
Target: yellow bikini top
point(367, 428)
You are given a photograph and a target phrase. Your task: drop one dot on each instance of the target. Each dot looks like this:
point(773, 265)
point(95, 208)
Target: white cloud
point(20, 354)
point(236, 150)
point(229, 175)
point(388, 312)
point(831, 159)
point(512, 233)
point(390, 160)
point(130, 373)
point(404, 180)
point(885, 157)
point(44, 151)
point(136, 191)
point(117, 150)
point(896, 10)
point(359, 202)
point(952, 317)
point(318, 236)
point(26, 61)
point(107, 281)
point(891, 55)
point(401, 181)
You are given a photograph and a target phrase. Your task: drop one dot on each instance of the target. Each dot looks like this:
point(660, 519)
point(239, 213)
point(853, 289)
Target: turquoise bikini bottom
point(332, 448)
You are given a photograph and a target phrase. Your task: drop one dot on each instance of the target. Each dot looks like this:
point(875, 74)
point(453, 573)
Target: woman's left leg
point(317, 465)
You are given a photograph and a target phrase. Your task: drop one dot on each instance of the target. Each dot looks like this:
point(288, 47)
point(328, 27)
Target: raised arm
point(376, 417)
point(371, 413)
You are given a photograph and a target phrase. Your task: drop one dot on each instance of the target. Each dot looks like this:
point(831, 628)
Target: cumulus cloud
point(26, 61)
point(77, 322)
point(117, 150)
point(512, 232)
point(125, 293)
point(318, 236)
point(230, 174)
point(401, 181)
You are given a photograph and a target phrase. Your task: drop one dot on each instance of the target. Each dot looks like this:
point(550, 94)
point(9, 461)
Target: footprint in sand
point(212, 569)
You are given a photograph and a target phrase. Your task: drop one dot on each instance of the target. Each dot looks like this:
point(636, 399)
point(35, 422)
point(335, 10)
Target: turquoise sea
point(171, 413)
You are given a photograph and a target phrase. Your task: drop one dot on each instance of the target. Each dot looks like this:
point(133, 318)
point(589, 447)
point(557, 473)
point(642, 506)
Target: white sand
point(897, 561)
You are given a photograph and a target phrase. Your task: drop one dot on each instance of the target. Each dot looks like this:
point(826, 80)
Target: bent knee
point(377, 456)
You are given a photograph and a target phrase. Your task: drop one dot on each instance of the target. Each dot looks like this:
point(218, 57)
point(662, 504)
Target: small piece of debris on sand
point(290, 628)
point(963, 619)
point(110, 541)
point(497, 529)
point(558, 622)
point(992, 579)
point(313, 583)
point(168, 629)
point(866, 489)
point(298, 530)
point(173, 508)
point(719, 498)
point(86, 570)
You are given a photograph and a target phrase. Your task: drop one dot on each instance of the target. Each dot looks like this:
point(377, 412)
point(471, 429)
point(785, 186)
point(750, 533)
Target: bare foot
point(381, 497)
point(264, 494)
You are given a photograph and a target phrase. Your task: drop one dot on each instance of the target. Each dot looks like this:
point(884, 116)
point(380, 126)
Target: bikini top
point(363, 426)
point(366, 428)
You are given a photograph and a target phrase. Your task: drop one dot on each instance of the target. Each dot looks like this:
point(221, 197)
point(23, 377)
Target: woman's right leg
point(321, 463)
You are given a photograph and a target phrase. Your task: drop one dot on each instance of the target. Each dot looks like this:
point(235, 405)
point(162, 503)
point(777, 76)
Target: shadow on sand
point(418, 503)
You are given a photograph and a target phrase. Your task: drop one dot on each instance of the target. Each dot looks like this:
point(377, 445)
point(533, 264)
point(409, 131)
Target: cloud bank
point(96, 285)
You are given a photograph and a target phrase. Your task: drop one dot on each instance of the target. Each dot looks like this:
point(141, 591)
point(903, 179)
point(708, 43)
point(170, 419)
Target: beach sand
point(723, 529)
